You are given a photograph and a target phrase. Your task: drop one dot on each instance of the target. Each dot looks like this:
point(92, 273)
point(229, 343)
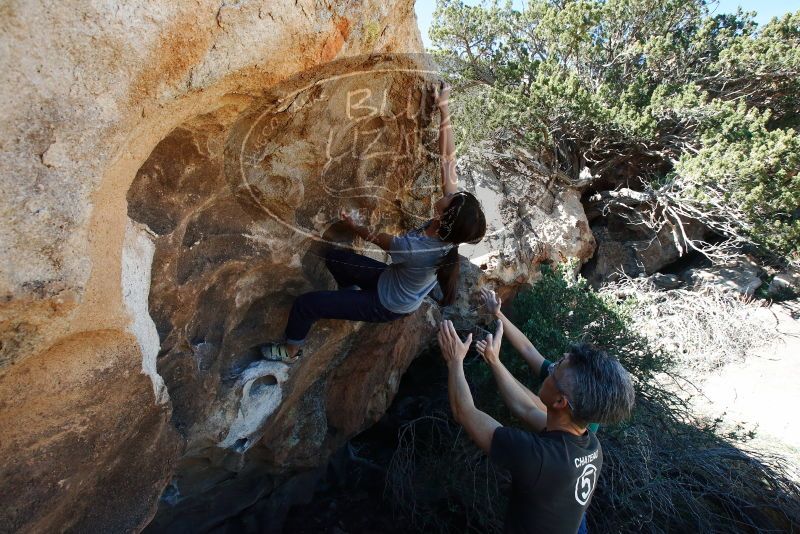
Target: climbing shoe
point(277, 352)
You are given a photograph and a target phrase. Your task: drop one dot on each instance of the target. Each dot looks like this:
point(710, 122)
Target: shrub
point(654, 95)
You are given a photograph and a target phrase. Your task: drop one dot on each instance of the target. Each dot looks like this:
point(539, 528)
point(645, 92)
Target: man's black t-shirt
point(553, 476)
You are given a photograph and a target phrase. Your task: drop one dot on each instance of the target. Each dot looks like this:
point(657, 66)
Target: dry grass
point(704, 330)
point(441, 482)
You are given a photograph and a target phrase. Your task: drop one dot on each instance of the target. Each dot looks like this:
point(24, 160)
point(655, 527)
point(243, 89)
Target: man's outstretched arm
point(518, 340)
point(479, 425)
point(522, 402)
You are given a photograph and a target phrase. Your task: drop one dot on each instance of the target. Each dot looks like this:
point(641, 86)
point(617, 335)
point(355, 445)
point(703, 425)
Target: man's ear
point(561, 403)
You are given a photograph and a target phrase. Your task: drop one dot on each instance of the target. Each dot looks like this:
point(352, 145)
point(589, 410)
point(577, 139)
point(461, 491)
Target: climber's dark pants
point(348, 269)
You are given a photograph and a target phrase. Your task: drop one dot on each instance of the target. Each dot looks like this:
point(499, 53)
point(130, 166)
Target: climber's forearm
point(447, 152)
point(381, 239)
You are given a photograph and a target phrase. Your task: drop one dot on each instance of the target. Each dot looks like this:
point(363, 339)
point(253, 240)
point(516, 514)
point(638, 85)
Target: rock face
point(235, 199)
point(784, 286)
point(634, 250)
point(171, 167)
point(741, 276)
point(531, 219)
point(94, 96)
point(80, 428)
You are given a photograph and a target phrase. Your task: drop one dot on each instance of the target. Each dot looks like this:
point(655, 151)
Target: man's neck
point(561, 422)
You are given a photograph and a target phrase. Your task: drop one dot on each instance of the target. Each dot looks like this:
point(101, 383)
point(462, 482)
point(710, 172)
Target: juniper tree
point(701, 109)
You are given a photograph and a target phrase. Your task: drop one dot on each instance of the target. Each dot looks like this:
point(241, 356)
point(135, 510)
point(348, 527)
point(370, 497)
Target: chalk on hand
point(355, 214)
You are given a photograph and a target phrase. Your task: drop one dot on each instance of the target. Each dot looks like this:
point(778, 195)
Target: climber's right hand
point(347, 220)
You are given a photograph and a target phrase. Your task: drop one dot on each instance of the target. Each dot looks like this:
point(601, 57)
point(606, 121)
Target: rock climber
point(372, 291)
point(554, 469)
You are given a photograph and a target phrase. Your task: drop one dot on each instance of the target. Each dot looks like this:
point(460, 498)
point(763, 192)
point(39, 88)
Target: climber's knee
point(335, 258)
point(304, 305)
point(334, 253)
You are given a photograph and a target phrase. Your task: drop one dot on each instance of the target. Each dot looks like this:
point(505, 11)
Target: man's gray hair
point(599, 388)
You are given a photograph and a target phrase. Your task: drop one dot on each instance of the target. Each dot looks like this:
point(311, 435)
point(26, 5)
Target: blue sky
point(766, 9)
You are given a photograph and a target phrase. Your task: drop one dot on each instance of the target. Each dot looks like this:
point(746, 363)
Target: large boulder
point(95, 425)
point(171, 171)
point(237, 201)
point(532, 219)
point(627, 247)
point(86, 447)
point(742, 276)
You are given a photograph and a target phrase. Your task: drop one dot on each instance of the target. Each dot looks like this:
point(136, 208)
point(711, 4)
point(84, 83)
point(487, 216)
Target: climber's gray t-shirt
point(412, 273)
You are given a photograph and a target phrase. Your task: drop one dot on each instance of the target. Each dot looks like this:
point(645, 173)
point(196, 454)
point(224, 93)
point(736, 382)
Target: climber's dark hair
point(462, 222)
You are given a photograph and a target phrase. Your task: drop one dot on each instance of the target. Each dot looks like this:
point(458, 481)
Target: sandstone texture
point(171, 172)
point(742, 276)
point(633, 250)
point(531, 219)
point(784, 286)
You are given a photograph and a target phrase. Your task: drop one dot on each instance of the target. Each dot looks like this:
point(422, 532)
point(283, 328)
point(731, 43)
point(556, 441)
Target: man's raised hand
point(489, 348)
point(491, 301)
point(453, 349)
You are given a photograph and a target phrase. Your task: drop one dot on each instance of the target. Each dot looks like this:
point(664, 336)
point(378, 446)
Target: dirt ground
point(762, 393)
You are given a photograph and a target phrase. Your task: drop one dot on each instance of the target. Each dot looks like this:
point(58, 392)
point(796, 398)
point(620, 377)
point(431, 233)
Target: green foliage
point(662, 472)
point(708, 105)
point(744, 167)
point(559, 311)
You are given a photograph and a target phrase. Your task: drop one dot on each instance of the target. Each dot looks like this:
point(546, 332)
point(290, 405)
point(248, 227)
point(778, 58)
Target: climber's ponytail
point(447, 274)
